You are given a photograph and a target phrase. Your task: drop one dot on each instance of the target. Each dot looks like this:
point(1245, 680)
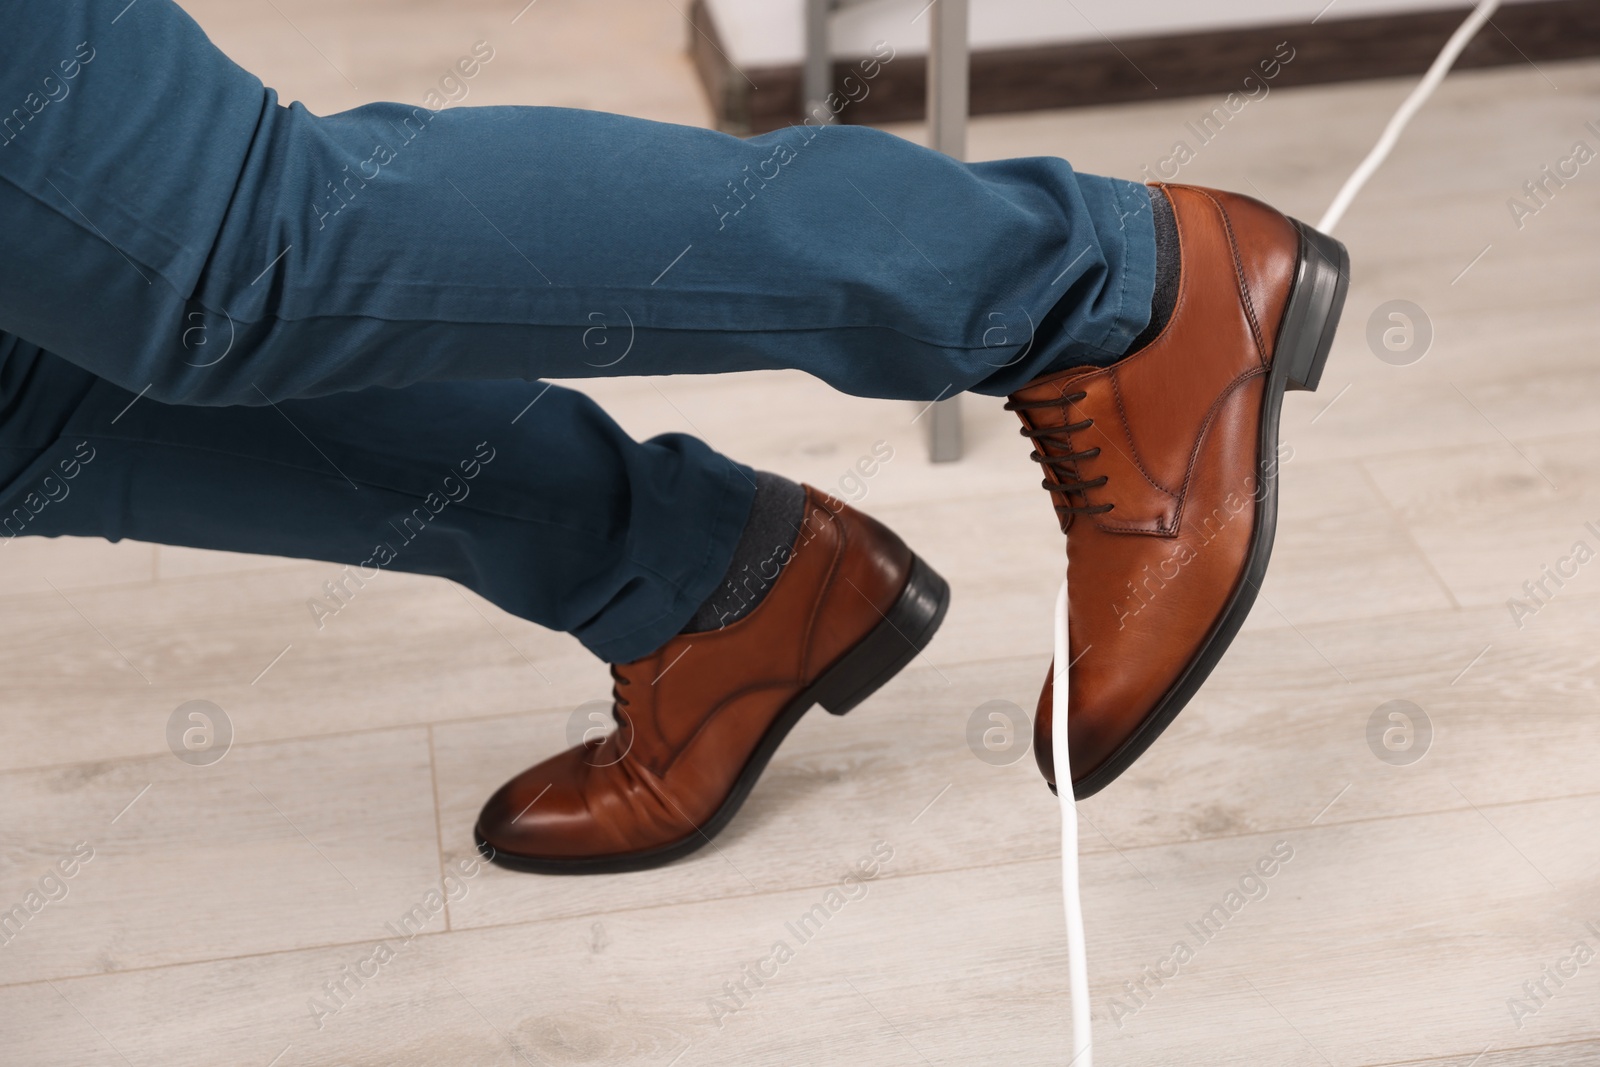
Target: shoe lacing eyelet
point(618, 680)
point(1062, 474)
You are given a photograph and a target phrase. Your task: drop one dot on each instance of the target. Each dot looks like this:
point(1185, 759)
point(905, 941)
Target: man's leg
point(530, 495)
point(550, 510)
point(882, 268)
point(153, 193)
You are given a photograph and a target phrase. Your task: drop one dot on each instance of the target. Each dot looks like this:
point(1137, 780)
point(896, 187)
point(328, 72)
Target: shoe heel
point(1315, 303)
point(906, 629)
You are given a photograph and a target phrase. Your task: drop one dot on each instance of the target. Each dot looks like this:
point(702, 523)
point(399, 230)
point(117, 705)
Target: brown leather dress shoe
point(1163, 471)
point(699, 718)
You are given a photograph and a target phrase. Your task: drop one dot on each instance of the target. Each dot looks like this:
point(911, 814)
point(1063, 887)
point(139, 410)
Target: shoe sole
point(905, 631)
point(1305, 337)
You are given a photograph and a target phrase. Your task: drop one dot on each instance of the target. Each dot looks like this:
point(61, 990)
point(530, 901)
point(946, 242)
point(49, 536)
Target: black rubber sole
point(1305, 337)
point(906, 629)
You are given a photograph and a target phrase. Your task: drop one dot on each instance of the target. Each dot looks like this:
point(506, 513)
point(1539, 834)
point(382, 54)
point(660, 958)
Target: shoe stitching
point(1127, 431)
point(840, 544)
point(1182, 496)
point(1238, 269)
point(779, 684)
point(1178, 308)
point(656, 741)
point(1205, 426)
point(1110, 372)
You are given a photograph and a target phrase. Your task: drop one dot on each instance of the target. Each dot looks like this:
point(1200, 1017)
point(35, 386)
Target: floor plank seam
point(438, 826)
point(1048, 857)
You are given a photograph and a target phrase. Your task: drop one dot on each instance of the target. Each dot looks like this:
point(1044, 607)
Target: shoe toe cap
point(543, 812)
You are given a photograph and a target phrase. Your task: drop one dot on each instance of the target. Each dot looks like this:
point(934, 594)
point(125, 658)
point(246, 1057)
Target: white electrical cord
point(1413, 104)
point(1077, 950)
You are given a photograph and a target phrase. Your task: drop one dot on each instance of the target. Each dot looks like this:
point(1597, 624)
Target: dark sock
point(1166, 294)
point(769, 534)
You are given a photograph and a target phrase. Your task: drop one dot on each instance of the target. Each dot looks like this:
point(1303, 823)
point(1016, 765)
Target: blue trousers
point(240, 325)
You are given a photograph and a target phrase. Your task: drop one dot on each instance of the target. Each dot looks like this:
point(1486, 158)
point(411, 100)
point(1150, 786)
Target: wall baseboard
point(1154, 68)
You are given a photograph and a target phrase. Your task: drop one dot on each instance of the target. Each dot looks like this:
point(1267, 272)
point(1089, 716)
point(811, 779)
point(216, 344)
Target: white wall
point(770, 32)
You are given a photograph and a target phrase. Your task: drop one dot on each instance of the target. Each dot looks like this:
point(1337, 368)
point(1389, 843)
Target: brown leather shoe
point(1163, 471)
point(699, 718)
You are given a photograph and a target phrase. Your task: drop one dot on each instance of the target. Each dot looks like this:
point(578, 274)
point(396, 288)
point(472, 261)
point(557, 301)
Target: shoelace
point(1061, 468)
point(618, 680)
point(618, 702)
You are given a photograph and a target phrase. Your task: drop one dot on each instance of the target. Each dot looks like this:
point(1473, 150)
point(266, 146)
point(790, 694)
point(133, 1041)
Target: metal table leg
point(817, 71)
point(948, 95)
point(947, 123)
point(948, 78)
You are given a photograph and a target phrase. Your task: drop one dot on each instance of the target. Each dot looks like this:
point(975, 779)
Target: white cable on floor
point(1413, 103)
point(1077, 950)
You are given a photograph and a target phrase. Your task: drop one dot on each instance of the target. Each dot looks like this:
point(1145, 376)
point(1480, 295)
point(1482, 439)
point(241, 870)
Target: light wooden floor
point(1418, 900)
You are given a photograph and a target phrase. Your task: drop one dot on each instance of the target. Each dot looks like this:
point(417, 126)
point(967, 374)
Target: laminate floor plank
point(1442, 867)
